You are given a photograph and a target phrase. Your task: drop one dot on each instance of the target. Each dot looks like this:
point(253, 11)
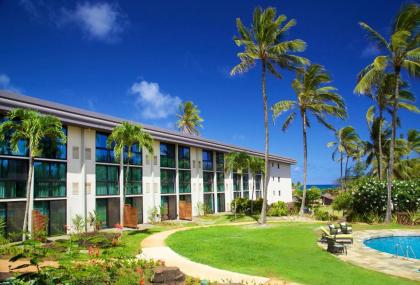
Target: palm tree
point(256, 166)
point(383, 90)
point(378, 131)
point(32, 127)
point(189, 118)
point(265, 41)
point(312, 97)
point(122, 139)
point(237, 161)
point(347, 144)
point(402, 51)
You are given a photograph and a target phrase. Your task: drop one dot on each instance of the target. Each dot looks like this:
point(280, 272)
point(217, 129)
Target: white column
point(176, 182)
point(121, 184)
point(214, 183)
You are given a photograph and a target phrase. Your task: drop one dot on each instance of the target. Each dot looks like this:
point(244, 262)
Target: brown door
point(185, 207)
point(130, 216)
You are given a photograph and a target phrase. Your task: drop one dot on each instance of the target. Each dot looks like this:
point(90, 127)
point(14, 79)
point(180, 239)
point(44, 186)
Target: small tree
point(256, 166)
point(189, 119)
point(123, 138)
point(32, 127)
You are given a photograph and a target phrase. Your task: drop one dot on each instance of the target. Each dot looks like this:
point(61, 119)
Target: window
point(136, 157)
point(55, 213)
point(104, 154)
point(279, 192)
point(220, 181)
point(207, 160)
point(278, 165)
point(13, 214)
point(184, 157)
point(107, 180)
point(208, 181)
point(278, 179)
point(220, 162)
point(167, 155)
point(167, 181)
point(49, 179)
point(134, 181)
point(13, 176)
point(184, 181)
point(236, 182)
point(258, 182)
point(245, 182)
point(54, 149)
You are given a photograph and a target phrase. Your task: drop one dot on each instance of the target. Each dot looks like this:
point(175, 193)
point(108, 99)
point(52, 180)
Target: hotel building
point(183, 175)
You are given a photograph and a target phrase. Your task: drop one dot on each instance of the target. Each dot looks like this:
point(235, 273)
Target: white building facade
point(184, 176)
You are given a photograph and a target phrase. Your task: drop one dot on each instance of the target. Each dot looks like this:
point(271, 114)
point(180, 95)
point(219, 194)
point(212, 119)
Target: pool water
point(406, 246)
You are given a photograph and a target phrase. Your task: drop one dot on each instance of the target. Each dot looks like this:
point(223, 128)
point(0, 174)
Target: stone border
point(360, 254)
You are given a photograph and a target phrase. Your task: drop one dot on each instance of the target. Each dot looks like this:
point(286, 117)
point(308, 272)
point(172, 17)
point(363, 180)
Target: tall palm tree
point(122, 139)
point(32, 127)
point(314, 97)
point(347, 144)
point(265, 41)
point(402, 51)
point(375, 148)
point(256, 166)
point(189, 119)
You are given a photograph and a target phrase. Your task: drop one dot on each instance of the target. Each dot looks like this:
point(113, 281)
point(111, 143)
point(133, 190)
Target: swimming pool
point(407, 246)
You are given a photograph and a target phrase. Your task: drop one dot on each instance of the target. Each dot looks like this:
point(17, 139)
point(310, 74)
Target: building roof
point(88, 119)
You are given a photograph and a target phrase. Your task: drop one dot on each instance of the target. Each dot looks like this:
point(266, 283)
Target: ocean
point(322, 187)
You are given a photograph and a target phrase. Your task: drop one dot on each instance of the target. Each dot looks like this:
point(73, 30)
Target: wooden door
point(185, 207)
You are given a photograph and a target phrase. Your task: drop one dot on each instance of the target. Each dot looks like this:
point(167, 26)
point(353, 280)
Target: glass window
point(167, 155)
point(54, 149)
point(5, 145)
point(167, 181)
point(220, 162)
point(184, 181)
point(208, 181)
point(103, 154)
point(236, 182)
point(246, 194)
point(136, 157)
point(13, 177)
point(13, 214)
point(134, 181)
point(258, 182)
point(220, 181)
point(184, 157)
point(49, 179)
point(107, 180)
point(207, 160)
point(55, 212)
point(245, 182)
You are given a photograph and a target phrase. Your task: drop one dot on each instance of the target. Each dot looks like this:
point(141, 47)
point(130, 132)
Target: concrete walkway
point(360, 254)
point(154, 247)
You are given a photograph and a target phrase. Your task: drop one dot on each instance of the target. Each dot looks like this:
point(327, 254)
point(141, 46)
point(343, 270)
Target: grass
point(286, 250)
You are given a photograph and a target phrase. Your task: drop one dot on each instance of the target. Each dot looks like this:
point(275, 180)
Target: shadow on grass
point(239, 217)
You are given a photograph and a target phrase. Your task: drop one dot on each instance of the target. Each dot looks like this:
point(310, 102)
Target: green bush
point(343, 201)
point(278, 209)
point(243, 206)
point(312, 196)
point(322, 215)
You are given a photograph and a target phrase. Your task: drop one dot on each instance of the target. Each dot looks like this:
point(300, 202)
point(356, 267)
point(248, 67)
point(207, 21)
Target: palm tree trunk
point(252, 196)
point(380, 144)
point(341, 170)
point(388, 215)
point(345, 173)
point(263, 218)
point(305, 170)
point(25, 227)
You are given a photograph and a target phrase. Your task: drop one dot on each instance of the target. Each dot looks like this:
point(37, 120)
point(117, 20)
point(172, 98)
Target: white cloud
point(4, 80)
point(370, 51)
point(5, 84)
point(100, 21)
point(152, 103)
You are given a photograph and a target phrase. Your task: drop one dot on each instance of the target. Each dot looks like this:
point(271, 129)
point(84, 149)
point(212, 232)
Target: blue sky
point(139, 59)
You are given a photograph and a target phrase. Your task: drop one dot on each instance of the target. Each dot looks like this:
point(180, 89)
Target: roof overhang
point(88, 119)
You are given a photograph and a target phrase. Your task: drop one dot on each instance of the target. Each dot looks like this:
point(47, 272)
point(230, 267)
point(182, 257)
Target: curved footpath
point(154, 247)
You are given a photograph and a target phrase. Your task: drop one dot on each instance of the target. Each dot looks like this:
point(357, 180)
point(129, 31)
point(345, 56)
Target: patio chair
point(335, 247)
point(346, 228)
point(343, 237)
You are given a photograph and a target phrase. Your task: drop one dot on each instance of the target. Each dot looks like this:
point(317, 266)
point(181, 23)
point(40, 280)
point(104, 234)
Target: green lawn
point(286, 250)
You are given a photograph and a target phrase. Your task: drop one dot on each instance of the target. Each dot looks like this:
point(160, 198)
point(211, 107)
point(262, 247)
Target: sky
point(139, 59)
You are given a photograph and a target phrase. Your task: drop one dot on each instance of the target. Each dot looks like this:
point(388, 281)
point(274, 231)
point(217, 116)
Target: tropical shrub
point(321, 215)
point(243, 206)
point(278, 209)
point(312, 196)
point(343, 201)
